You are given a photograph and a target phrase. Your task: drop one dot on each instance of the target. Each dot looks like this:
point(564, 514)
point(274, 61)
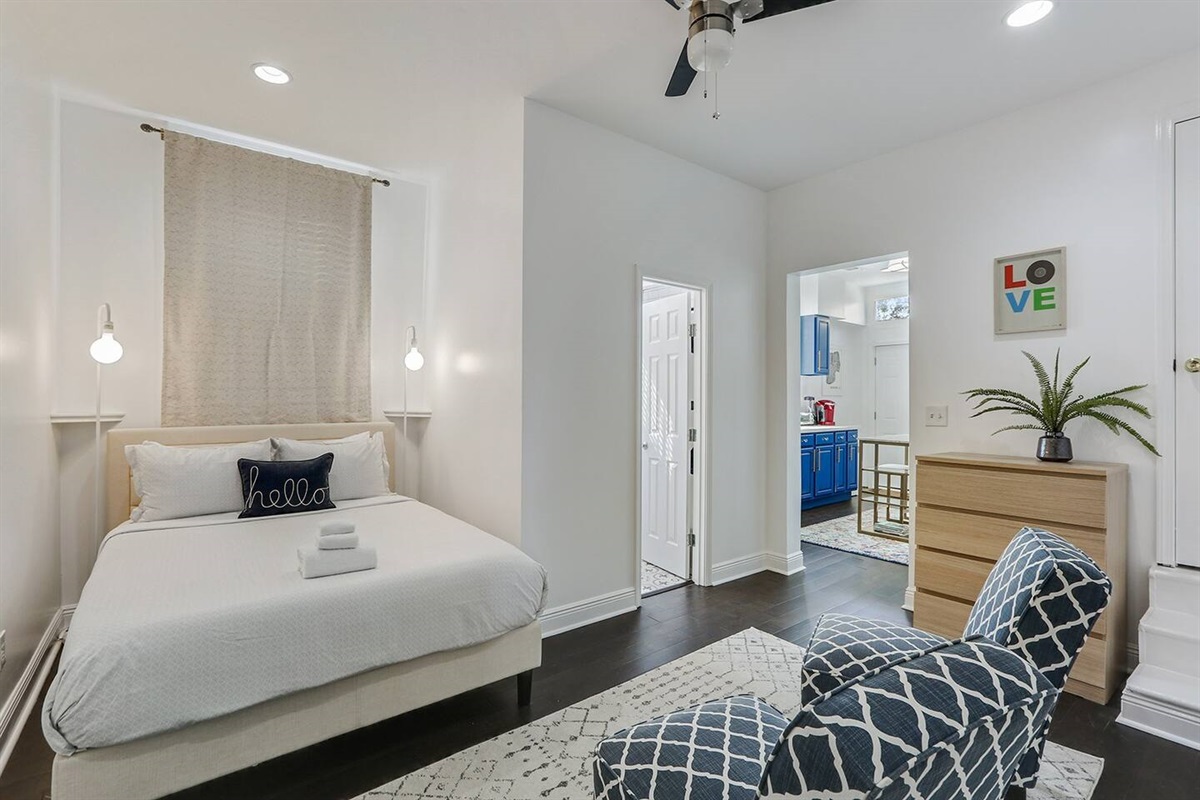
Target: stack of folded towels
point(336, 551)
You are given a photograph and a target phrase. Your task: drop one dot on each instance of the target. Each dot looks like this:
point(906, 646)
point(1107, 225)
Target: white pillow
point(178, 482)
point(360, 463)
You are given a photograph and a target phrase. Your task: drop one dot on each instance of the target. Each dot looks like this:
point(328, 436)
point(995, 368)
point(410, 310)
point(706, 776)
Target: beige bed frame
point(168, 762)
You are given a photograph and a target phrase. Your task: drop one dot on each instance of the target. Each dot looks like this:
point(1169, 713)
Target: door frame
point(1165, 346)
point(791, 494)
point(700, 487)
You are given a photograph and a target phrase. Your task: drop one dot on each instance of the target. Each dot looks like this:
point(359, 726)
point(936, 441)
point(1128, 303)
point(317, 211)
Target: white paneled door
point(1187, 342)
point(664, 433)
point(891, 389)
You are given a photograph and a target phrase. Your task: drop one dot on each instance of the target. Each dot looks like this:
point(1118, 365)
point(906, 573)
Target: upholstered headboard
point(119, 480)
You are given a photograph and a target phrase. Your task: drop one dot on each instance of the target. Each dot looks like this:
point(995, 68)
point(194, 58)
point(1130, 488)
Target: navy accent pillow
point(284, 487)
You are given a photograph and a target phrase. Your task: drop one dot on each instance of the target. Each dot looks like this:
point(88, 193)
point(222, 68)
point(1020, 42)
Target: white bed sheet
point(186, 620)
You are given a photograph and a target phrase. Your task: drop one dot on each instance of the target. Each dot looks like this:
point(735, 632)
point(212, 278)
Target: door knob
point(1192, 364)
point(645, 446)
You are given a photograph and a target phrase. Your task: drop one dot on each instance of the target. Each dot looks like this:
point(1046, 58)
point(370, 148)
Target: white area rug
point(656, 579)
point(551, 758)
point(842, 534)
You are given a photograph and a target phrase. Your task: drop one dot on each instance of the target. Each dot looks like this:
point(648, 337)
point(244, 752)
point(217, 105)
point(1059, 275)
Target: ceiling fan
point(709, 45)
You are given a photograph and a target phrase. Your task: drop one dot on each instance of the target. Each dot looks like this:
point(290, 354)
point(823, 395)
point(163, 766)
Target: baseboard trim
point(1154, 713)
point(910, 596)
point(785, 565)
point(736, 568)
point(570, 616)
point(18, 707)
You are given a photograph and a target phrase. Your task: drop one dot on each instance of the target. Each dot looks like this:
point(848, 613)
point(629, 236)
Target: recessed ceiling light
point(271, 74)
point(1029, 13)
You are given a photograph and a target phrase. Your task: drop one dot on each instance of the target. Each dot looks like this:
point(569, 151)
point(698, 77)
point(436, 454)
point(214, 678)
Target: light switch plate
point(935, 416)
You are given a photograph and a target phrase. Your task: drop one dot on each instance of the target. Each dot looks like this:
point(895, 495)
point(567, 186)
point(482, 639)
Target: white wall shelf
point(112, 418)
point(398, 415)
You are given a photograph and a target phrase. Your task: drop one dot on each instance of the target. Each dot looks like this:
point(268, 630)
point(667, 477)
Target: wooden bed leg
point(524, 688)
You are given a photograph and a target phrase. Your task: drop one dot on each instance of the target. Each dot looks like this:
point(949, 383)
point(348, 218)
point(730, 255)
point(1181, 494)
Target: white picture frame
point(1030, 291)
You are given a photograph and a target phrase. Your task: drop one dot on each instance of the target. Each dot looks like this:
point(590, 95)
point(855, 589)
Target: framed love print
point(1031, 291)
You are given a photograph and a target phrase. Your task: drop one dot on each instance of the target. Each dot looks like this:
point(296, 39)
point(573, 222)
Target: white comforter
point(187, 620)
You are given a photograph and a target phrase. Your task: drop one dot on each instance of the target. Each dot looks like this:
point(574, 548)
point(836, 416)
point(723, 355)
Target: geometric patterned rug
point(551, 758)
point(655, 579)
point(842, 534)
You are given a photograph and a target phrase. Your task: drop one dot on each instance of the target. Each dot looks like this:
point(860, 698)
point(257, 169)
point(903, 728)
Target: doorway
point(848, 408)
point(671, 405)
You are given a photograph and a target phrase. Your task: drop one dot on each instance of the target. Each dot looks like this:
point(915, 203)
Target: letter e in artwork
point(1043, 299)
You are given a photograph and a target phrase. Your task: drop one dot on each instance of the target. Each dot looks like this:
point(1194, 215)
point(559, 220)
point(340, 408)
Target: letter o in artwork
point(1039, 272)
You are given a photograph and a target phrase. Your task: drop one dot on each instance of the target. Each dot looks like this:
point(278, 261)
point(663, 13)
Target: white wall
point(596, 205)
point(111, 251)
point(1080, 171)
point(29, 542)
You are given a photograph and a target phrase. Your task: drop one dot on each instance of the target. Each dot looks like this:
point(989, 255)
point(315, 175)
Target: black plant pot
point(1054, 447)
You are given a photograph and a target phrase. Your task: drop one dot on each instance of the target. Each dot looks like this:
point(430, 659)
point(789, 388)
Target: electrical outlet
point(935, 416)
point(3, 652)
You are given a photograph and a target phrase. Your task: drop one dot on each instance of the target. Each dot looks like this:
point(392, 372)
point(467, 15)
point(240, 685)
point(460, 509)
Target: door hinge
point(691, 539)
point(691, 434)
point(692, 329)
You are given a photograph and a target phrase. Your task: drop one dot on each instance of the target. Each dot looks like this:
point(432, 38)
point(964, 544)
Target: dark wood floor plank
point(583, 662)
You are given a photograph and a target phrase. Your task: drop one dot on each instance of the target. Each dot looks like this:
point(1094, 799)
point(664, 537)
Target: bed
point(174, 609)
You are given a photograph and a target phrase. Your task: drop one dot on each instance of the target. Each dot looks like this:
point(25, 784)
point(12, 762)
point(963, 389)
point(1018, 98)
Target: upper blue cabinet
point(814, 344)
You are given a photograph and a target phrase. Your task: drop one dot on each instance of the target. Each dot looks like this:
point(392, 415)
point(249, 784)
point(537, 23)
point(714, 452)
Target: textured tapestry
point(266, 289)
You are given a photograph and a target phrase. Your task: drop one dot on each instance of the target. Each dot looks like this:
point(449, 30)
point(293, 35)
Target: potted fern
point(1056, 407)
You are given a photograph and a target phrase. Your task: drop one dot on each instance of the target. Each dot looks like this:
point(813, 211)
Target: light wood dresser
point(970, 506)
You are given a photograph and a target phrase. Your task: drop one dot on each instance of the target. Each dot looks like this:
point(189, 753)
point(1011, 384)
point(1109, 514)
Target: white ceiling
point(807, 92)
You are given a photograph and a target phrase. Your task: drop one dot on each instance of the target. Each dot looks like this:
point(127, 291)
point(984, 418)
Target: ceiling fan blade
point(682, 77)
point(773, 8)
point(674, 3)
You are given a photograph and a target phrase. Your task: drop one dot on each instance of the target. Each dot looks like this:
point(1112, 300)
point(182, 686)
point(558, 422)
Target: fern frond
point(1111, 421)
point(1018, 428)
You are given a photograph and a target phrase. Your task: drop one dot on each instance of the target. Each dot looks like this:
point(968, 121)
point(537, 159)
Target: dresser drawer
point(987, 536)
point(948, 618)
point(1041, 498)
point(962, 578)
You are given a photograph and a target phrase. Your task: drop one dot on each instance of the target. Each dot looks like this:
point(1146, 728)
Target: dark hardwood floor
point(583, 662)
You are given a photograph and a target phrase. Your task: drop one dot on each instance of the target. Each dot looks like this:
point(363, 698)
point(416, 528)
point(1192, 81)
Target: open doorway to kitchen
point(671, 397)
point(849, 374)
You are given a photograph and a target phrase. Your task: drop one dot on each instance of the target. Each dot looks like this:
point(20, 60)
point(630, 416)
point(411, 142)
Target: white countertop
point(826, 428)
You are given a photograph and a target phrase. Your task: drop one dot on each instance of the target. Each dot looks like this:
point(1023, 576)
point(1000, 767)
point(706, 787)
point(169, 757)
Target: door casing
point(701, 557)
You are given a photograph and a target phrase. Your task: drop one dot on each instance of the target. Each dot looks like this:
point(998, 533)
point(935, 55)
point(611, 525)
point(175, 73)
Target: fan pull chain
point(716, 96)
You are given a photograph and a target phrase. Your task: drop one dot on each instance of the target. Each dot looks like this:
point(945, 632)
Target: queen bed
point(197, 649)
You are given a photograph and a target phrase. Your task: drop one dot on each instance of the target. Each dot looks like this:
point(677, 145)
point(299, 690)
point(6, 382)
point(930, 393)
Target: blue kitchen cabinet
point(806, 474)
point(828, 467)
point(814, 344)
point(852, 461)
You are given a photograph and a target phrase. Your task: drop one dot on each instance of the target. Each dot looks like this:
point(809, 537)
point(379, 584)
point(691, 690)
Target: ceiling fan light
point(711, 50)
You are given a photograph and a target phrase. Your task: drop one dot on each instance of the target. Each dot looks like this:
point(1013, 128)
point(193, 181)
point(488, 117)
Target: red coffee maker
point(823, 412)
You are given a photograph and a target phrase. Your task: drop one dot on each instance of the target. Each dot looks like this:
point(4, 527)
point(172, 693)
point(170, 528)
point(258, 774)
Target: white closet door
point(664, 433)
point(1187, 342)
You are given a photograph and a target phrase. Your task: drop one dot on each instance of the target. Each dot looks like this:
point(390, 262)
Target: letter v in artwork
point(1012, 300)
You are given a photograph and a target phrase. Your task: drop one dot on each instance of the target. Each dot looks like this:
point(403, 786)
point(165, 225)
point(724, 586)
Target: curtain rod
point(148, 128)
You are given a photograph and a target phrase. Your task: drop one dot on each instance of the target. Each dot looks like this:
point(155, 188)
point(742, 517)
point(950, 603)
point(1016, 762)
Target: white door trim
point(1165, 347)
point(702, 553)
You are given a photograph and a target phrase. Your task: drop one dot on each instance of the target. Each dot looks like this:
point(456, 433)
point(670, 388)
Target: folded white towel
point(336, 526)
point(316, 563)
point(337, 541)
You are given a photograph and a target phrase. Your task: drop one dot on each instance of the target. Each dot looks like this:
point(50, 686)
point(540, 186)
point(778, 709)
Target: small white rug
point(842, 534)
point(551, 758)
point(656, 579)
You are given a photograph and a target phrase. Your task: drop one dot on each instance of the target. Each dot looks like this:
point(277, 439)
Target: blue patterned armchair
point(950, 723)
point(1040, 601)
